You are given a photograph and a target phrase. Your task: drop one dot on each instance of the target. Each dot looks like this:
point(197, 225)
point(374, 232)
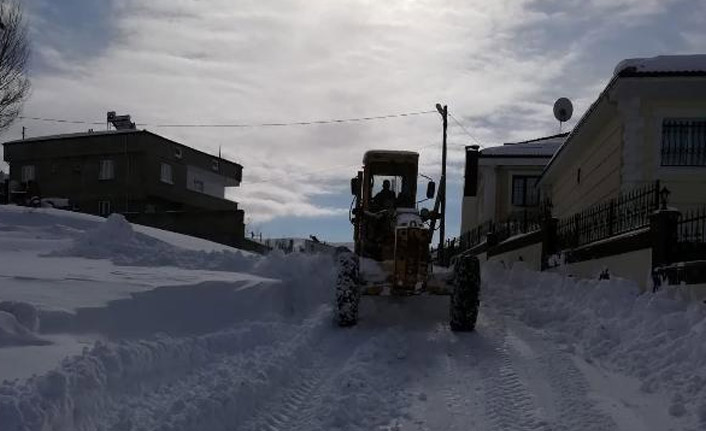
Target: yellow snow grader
point(392, 238)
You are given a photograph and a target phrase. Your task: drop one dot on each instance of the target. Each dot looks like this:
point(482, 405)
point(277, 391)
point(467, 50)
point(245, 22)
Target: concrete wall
point(531, 255)
point(599, 159)
point(635, 265)
point(224, 227)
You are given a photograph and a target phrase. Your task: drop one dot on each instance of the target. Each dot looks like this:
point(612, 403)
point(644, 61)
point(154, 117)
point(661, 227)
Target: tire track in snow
point(348, 385)
point(461, 390)
point(220, 394)
point(296, 404)
point(575, 410)
point(509, 403)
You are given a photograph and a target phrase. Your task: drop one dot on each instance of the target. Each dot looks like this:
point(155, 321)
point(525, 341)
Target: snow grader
point(392, 238)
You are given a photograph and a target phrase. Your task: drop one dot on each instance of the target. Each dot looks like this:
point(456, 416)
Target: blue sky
point(498, 65)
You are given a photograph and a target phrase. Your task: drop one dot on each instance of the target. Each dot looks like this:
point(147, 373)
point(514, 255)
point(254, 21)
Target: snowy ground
point(138, 329)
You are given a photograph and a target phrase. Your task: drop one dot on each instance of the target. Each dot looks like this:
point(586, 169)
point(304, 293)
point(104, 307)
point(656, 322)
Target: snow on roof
point(542, 147)
point(73, 135)
point(663, 64)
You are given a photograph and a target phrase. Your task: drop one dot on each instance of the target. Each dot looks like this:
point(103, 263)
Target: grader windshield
point(391, 179)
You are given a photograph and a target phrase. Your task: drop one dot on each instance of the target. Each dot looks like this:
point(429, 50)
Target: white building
point(502, 180)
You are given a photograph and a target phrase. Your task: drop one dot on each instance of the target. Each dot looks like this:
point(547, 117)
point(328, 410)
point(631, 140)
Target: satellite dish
point(563, 109)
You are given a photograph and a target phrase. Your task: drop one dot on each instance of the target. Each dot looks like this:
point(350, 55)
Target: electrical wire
point(336, 167)
point(57, 120)
point(466, 130)
point(244, 125)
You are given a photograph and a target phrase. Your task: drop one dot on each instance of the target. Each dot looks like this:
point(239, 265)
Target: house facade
point(648, 124)
point(627, 187)
point(148, 178)
point(501, 182)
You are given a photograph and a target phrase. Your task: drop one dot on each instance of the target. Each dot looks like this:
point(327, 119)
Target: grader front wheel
point(347, 290)
point(466, 294)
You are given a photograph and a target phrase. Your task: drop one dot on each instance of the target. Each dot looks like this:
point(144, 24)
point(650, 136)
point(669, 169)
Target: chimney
point(469, 204)
point(470, 185)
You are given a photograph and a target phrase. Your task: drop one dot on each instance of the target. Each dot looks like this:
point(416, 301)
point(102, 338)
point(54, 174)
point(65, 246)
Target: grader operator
point(392, 236)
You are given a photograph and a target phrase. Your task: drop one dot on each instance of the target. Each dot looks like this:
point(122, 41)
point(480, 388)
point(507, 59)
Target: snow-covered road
point(400, 369)
point(239, 343)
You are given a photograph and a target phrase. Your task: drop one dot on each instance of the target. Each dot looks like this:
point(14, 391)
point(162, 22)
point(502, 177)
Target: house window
point(198, 185)
point(683, 142)
point(525, 192)
point(177, 152)
point(107, 170)
point(166, 174)
point(104, 208)
point(214, 164)
point(28, 173)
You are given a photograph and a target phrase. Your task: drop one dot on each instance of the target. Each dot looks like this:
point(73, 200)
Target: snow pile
point(117, 240)
point(79, 393)
point(308, 279)
point(18, 324)
point(659, 338)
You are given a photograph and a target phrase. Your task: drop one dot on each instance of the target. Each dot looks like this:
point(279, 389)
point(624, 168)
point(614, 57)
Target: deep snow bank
point(115, 239)
point(658, 338)
point(85, 390)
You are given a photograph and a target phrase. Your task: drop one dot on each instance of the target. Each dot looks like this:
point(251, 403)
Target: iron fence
point(684, 143)
point(629, 211)
point(475, 236)
point(691, 235)
point(521, 222)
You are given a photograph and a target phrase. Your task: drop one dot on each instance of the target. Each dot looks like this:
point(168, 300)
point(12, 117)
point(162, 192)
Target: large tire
point(347, 290)
point(466, 294)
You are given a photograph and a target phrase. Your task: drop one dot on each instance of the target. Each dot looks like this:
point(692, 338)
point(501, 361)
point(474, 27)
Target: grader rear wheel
point(347, 290)
point(466, 294)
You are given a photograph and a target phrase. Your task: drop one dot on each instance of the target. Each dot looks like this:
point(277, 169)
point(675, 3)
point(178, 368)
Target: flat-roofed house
point(148, 178)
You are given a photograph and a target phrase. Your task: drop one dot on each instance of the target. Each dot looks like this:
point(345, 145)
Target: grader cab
point(387, 226)
point(392, 239)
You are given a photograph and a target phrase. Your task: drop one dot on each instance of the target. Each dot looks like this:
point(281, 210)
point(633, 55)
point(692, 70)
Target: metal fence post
point(663, 231)
point(549, 240)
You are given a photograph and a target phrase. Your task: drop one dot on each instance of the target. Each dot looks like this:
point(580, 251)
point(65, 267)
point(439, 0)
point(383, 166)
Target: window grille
point(683, 142)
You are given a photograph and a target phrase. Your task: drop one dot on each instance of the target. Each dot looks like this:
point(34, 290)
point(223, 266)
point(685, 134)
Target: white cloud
point(223, 61)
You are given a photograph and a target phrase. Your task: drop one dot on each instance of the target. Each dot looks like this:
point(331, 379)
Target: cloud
point(499, 65)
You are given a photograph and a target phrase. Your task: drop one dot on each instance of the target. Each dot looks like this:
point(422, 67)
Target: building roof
point(660, 66)
point(541, 147)
point(663, 64)
point(74, 135)
point(94, 134)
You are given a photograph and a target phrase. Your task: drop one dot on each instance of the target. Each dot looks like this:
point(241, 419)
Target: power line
point(243, 125)
point(336, 167)
point(466, 130)
point(56, 120)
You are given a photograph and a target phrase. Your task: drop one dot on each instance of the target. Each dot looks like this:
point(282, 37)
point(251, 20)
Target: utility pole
point(444, 112)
